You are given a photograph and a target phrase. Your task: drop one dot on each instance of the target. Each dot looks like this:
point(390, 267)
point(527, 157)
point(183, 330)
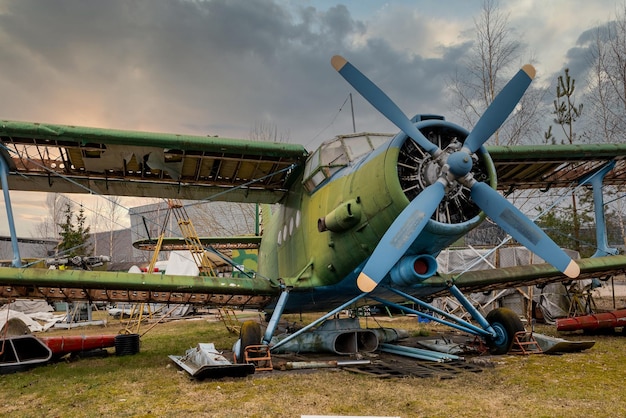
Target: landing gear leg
point(498, 329)
point(251, 334)
point(278, 311)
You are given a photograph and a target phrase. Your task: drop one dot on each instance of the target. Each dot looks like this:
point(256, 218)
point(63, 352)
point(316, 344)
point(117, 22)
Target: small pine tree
point(74, 235)
point(566, 113)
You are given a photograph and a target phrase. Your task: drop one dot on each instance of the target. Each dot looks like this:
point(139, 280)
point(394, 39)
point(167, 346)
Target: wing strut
point(4, 173)
point(318, 321)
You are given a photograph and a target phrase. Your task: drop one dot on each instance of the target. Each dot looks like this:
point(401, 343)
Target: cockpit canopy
point(337, 153)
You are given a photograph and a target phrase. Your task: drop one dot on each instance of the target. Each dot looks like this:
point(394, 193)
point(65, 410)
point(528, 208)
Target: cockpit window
point(333, 155)
point(357, 147)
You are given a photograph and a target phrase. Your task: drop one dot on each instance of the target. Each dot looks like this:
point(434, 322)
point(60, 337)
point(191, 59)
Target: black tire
point(506, 323)
point(250, 334)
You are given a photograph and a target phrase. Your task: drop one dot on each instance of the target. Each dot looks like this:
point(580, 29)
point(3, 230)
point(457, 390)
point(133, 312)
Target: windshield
point(337, 153)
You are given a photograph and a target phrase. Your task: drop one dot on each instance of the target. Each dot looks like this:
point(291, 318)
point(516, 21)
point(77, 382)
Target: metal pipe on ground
point(597, 321)
point(418, 353)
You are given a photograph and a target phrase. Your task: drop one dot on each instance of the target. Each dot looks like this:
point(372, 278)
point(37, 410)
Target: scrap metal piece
point(593, 322)
point(322, 364)
point(550, 345)
point(342, 336)
point(418, 368)
point(22, 352)
point(62, 345)
point(418, 353)
point(204, 361)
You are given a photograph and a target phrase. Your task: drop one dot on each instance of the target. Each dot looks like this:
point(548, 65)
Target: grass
point(148, 384)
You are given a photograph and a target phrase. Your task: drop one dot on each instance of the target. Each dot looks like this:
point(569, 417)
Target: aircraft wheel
point(506, 323)
point(250, 334)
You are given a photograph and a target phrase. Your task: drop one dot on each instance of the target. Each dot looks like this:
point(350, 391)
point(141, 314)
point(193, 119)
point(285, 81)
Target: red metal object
point(593, 322)
point(76, 343)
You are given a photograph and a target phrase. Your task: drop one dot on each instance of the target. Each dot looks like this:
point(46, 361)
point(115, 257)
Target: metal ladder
point(191, 238)
point(525, 343)
point(260, 356)
point(229, 318)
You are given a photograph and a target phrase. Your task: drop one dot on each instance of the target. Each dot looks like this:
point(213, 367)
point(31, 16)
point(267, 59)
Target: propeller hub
point(460, 163)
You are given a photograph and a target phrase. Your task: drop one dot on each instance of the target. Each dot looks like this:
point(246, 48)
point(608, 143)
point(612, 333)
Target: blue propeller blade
point(400, 236)
point(509, 218)
point(500, 108)
point(380, 101)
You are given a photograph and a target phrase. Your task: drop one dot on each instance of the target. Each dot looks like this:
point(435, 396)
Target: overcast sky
point(222, 67)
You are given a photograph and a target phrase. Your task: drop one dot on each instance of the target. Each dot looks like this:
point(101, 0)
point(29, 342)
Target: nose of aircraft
point(410, 223)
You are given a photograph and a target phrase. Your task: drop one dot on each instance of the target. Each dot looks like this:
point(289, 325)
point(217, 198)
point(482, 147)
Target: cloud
point(219, 67)
point(212, 67)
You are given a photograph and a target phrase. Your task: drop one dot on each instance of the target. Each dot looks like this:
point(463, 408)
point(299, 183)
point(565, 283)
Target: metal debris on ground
point(204, 361)
point(420, 369)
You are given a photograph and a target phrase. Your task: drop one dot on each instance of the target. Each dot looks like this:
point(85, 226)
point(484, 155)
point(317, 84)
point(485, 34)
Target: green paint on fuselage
point(246, 260)
point(305, 257)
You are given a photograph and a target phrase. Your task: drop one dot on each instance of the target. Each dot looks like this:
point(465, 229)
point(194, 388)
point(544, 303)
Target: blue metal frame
point(4, 172)
point(317, 321)
point(596, 180)
point(458, 323)
point(278, 311)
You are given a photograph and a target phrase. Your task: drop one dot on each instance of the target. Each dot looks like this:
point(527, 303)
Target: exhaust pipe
point(413, 269)
point(340, 336)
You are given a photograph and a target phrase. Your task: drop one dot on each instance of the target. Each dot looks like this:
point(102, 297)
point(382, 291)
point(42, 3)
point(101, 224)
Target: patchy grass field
point(148, 384)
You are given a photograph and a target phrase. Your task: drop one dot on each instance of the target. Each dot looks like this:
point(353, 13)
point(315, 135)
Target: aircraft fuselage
point(319, 238)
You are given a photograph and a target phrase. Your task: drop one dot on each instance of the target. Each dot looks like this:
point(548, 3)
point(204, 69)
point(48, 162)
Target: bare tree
point(267, 132)
point(224, 218)
point(607, 81)
point(49, 228)
point(96, 221)
point(114, 213)
point(491, 61)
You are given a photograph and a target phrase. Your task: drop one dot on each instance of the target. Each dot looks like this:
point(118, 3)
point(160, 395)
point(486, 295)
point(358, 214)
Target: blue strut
point(278, 311)
point(4, 172)
point(596, 180)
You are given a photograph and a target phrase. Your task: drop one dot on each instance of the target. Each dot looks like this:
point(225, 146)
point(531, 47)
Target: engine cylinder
point(342, 218)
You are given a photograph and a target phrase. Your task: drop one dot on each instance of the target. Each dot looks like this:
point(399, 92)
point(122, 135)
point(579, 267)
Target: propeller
point(509, 218)
point(412, 220)
point(403, 231)
point(380, 101)
point(500, 108)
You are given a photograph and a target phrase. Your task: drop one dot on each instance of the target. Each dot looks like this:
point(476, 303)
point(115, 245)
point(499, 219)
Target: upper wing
point(527, 275)
point(219, 243)
point(546, 166)
point(72, 159)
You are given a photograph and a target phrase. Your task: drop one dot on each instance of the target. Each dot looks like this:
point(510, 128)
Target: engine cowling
point(417, 169)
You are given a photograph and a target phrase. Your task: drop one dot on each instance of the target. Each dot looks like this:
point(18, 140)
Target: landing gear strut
point(498, 329)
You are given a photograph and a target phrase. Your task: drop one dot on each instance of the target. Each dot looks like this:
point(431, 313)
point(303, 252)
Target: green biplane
point(358, 221)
